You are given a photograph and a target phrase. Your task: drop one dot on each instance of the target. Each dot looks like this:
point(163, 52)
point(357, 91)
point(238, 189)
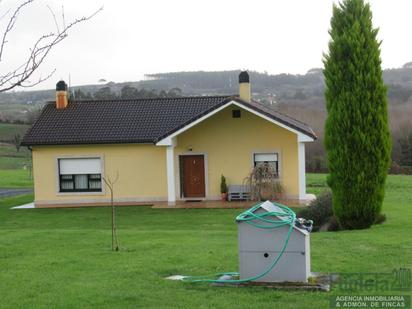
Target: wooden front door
point(193, 172)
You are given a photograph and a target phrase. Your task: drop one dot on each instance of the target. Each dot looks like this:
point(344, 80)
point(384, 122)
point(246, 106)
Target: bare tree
point(20, 76)
point(110, 184)
point(17, 141)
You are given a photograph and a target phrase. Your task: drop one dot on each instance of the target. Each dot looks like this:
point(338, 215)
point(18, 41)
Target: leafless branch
point(64, 19)
point(10, 25)
point(54, 18)
point(20, 76)
point(39, 80)
point(4, 15)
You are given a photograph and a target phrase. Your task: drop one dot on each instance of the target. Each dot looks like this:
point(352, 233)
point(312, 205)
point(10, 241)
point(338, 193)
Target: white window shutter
point(77, 166)
point(266, 157)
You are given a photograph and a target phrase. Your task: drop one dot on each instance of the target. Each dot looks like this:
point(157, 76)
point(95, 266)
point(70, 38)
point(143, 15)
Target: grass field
point(9, 150)
point(14, 163)
point(61, 258)
point(15, 179)
point(8, 131)
point(10, 158)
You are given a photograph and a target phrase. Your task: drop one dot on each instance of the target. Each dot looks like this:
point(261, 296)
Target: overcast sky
point(131, 38)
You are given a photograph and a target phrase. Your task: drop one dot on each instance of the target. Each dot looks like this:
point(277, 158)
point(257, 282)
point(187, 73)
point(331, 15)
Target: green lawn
point(11, 159)
point(61, 258)
point(15, 179)
point(316, 183)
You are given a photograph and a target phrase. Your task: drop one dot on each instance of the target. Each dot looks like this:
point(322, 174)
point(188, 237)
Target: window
point(267, 158)
point(80, 175)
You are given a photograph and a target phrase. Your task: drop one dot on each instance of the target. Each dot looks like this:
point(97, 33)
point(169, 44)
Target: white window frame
point(91, 156)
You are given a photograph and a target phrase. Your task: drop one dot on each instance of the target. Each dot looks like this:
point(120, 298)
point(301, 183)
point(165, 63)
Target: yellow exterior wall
point(141, 168)
point(229, 144)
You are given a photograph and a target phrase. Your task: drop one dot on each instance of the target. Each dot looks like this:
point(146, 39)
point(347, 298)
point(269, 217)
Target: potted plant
point(223, 188)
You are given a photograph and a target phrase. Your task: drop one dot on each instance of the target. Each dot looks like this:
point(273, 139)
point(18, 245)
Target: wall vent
point(236, 113)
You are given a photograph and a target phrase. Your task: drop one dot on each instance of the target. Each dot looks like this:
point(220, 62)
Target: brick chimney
point(61, 95)
point(244, 86)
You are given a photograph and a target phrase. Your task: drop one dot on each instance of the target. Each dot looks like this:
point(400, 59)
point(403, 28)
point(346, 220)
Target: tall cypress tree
point(357, 136)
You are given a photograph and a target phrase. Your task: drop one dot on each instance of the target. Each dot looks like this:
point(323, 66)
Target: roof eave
point(111, 142)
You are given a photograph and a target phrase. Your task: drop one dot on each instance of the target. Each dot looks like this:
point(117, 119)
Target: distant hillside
point(192, 83)
point(300, 96)
point(8, 131)
point(292, 89)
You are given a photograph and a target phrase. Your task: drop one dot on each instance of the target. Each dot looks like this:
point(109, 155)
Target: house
point(161, 149)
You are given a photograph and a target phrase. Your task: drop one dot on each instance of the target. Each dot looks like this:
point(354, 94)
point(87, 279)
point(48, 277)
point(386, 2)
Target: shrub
point(333, 225)
point(380, 219)
point(320, 210)
point(223, 185)
point(263, 183)
point(396, 169)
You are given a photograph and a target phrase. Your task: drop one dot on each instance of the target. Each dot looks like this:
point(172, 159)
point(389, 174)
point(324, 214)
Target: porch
point(223, 204)
point(206, 204)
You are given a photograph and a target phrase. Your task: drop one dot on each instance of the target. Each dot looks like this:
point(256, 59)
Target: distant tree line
point(304, 88)
point(126, 92)
point(401, 134)
point(405, 150)
point(226, 82)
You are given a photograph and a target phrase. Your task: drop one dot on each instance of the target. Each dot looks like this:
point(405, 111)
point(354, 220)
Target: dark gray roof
point(131, 121)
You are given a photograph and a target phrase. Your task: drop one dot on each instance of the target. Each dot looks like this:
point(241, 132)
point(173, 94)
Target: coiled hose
point(265, 220)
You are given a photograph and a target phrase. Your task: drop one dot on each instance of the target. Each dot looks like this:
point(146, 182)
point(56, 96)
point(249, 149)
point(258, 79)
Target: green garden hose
point(263, 221)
